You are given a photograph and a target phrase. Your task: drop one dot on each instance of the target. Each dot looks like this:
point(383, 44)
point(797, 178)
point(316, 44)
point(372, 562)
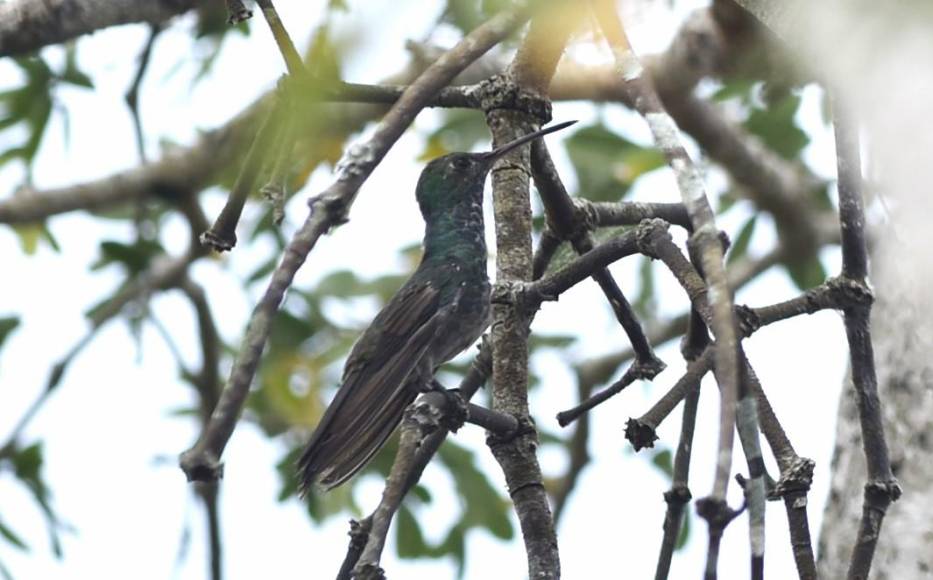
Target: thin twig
point(579, 455)
point(678, 496)
point(132, 94)
point(221, 237)
point(567, 224)
point(293, 62)
point(421, 419)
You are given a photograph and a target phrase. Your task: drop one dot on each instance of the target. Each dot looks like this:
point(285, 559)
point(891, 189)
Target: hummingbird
point(440, 311)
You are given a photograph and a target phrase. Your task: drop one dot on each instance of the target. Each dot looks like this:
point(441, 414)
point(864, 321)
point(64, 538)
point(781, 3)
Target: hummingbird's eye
point(462, 163)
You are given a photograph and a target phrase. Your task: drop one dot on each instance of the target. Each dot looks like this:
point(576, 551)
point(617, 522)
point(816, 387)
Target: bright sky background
point(111, 443)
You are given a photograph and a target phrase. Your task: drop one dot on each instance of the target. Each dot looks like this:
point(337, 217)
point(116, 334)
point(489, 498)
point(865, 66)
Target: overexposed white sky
point(110, 442)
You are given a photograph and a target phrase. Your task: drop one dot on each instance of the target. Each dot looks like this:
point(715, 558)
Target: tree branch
point(882, 487)
point(525, 82)
point(26, 25)
point(566, 222)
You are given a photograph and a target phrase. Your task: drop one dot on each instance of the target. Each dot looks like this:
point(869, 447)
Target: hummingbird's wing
point(375, 390)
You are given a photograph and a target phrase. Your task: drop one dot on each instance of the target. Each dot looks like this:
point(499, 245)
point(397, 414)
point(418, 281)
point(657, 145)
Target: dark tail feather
point(367, 408)
point(350, 433)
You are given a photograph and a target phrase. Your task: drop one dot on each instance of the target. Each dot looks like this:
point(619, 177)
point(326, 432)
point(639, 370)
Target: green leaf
point(727, 199)
point(5, 572)
point(464, 14)
point(740, 245)
point(135, 257)
point(263, 270)
point(484, 507)
point(806, 273)
point(454, 545)
point(735, 89)
point(607, 164)
point(27, 462)
point(684, 534)
point(663, 459)
point(468, 14)
point(776, 127)
point(408, 537)
point(343, 283)
point(320, 506)
point(72, 74)
point(29, 235)
point(289, 331)
point(421, 493)
point(323, 56)
point(7, 325)
point(12, 537)
point(645, 303)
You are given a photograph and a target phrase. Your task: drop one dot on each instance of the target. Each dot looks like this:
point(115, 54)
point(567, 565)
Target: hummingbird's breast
point(455, 254)
point(470, 289)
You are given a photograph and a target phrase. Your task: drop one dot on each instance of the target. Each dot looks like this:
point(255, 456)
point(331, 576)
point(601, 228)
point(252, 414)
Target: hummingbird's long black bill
point(502, 150)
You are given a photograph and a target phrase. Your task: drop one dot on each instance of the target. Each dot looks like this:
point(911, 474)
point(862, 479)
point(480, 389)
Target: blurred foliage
point(468, 14)
point(313, 333)
point(7, 325)
point(31, 235)
point(25, 464)
point(30, 105)
point(607, 164)
point(460, 130)
point(773, 118)
point(211, 29)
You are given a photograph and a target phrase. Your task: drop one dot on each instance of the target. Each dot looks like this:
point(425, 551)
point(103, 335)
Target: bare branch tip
point(237, 12)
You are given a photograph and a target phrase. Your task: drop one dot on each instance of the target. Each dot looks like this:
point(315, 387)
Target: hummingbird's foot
point(450, 404)
point(456, 411)
point(522, 426)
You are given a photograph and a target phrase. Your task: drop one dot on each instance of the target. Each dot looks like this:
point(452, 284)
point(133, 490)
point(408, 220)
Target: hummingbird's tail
point(353, 429)
point(383, 374)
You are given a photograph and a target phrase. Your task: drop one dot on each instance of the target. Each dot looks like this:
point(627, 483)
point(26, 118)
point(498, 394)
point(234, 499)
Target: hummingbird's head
point(451, 180)
point(458, 178)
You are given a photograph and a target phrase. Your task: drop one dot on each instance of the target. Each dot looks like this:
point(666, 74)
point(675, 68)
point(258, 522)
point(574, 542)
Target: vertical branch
point(679, 494)
point(525, 83)
point(882, 487)
point(132, 94)
point(509, 335)
point(754, 487)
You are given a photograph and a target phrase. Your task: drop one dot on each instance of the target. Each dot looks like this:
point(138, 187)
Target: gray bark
point(28, 25)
